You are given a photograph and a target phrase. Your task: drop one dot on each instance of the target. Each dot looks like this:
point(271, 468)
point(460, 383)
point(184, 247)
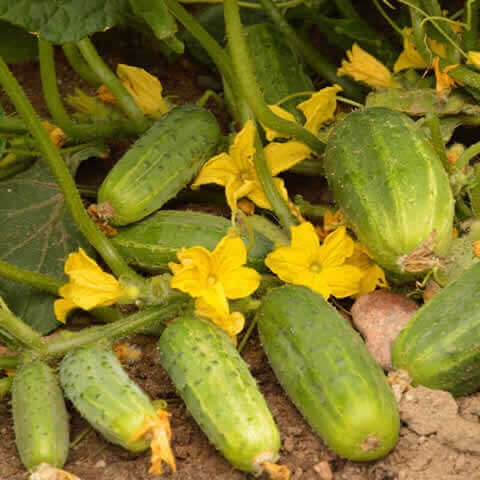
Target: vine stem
point(78, 63)
point(312, 56)
point(12, 125)
point(9, 362)
point(47, 283)
point(63, 177)
point(113, 83)
point(58, 112)
point(467, 155)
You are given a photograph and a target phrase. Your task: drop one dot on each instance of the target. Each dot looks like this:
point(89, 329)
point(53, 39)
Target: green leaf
point(16, 45)
point(37, 235)
point(63, 21)
point(3, 140)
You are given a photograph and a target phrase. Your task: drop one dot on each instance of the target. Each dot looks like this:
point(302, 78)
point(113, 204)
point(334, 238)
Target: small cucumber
point(153, 242)
point(440, 346)
point(39, 416)
point(159, 164)
point(100, 389)
point(328, 373)
point(219, 392)
point(390, 185)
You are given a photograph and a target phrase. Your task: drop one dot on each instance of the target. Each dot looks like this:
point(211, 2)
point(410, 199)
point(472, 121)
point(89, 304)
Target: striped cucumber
point(440, 346)
point(100, 389)
point(391, 187)
point(159, 164)
point(219, 392)
point(39, 416)
point(153, 242)
point(326, 370)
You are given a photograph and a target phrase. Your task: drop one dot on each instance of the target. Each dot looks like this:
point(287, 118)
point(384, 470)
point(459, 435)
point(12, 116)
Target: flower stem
point(116, 87)
point(78, 63)
point(150, 317)
point(318, 62)
point(63, 177)
point(249, 87)
point(58, 112)
point(18, 330)
point(9, 362)
point(12, 125)
point(5, 384)
point(247, 335)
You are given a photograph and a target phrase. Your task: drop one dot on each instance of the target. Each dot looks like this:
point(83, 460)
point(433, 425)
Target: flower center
point(244, 175)
point(315, 267)
point(211, 280)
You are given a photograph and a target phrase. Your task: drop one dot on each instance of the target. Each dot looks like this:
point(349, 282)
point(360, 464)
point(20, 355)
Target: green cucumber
point(153, 242)
point(219, 392)
point(440, 346)
point(328, 373)
point(100, 389)
point(39, 416)
point(159, 164)
point(390, 185)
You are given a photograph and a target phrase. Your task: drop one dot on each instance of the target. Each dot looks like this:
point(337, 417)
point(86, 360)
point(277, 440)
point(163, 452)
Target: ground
point(435, 442)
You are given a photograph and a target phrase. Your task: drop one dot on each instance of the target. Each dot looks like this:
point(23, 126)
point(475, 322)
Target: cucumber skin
point(328, 373)
point(219, 391)
point(39, 416)
point(155, 241)
point(440, 346)
point(160, 163)
point(389, 184)
point(100, 389)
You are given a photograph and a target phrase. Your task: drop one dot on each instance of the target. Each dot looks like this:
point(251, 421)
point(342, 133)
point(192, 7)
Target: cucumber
point(100, 389)
point(328, 373)
point(390, 185)
point(153, 242)
point(440, 346)
point(159, 164)
point(219, 392)
point(40, 418)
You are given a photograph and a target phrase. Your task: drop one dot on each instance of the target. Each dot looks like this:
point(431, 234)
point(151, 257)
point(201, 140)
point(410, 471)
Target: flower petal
point(219, 169)
point(243, 149)
point(372, 277)
point(335, 249)
point(289, 264)
point(305, 239)
point(241, 282)
point(237, 189)
point(318, 283)
point(280, 112)
point(230, 254)
point(62, 307)
point(282, 156)
point(344, 280)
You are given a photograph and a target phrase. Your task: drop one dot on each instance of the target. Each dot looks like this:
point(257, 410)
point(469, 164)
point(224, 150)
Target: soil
point(439, 437)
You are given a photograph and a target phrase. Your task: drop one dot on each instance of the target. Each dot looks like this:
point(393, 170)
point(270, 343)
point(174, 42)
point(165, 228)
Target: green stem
point(5, 384)
point(59, 114)
point(470, 34)
point(437, 140)
point(18, 330)
point(149, 317)
point(77, 62)
point(40, 281)
point(467, 155)
point(248, 85)
point(312, 56)
point(309, 209)
point(9, 362)
point(63, 177)
point(113, 83)
point(247, 335)
point(12, 125)
point(385, 15)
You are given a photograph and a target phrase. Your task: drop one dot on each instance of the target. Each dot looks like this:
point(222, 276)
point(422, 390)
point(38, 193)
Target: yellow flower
point(474, 59)
point(363, 67)
point(444, 81)
point(146, 90)
point(373, 275)
point(214, 306)
point(318, 109)
point(410, 58)
point(236, 171)
point(476, 248)
point(320, 267)
point(200, 271)
point(88, 287)
point(56, 134)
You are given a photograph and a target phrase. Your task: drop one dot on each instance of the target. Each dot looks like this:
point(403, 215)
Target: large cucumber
point(100, 389)
point(440, 346)
point(40, 418)
point(390, 185)
point(326, 370)
point(219, 392)
point(153, 242)
point(159, 164)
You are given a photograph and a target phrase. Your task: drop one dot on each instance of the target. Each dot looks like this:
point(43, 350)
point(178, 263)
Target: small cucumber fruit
point(219, 392)
point(39, 416)
point(440, 346)
point(153, 242)
point(328, 373)
point(390, 185)
point(159, 164)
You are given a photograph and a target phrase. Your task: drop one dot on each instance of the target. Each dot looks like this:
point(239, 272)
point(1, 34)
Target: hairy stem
point(78, 63)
